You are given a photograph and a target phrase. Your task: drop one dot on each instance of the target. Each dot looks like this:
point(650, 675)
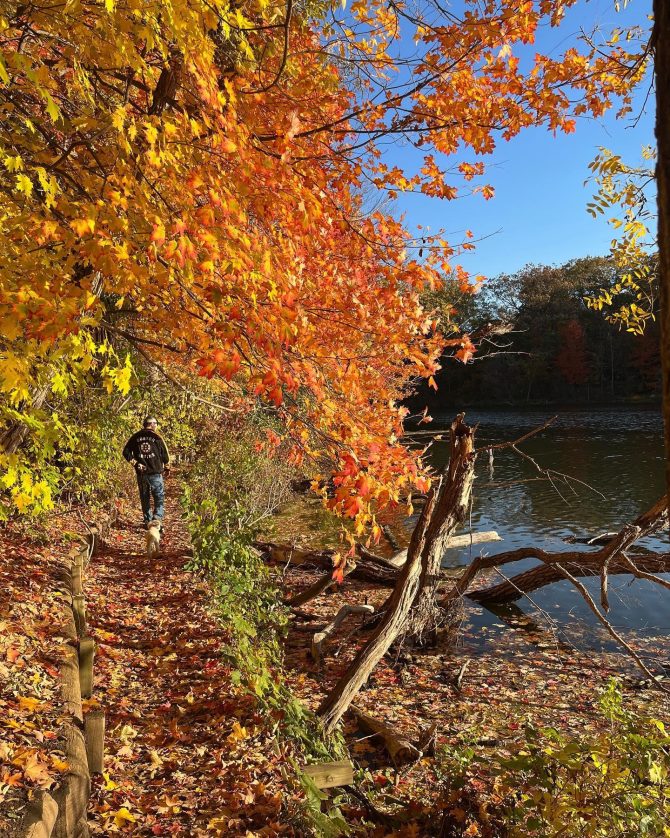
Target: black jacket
point(148, 448)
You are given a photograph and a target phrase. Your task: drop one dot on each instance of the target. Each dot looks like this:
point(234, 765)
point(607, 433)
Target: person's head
point(150, 423)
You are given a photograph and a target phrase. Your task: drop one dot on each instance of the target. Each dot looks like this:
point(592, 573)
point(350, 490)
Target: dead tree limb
point(414, 592)
point(611, 556)
point(319, 587)
point(367, 567)
point(451, 511)
point(400, 749)
point(338, 700)
point(320, 637)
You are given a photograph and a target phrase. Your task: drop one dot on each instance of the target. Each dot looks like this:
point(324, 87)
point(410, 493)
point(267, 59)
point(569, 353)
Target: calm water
point(617, 452)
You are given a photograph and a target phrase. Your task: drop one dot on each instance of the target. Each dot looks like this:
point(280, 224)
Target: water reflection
point(617, 452)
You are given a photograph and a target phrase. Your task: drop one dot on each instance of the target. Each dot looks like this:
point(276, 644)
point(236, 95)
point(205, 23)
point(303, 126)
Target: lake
point(618, 452)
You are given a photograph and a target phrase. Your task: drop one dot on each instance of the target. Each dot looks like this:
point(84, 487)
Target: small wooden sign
point(327, 775)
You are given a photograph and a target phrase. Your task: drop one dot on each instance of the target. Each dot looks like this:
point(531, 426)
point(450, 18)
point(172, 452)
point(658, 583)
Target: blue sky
point(539, 212)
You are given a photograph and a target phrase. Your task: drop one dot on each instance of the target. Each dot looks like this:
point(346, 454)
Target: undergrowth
point(230, 490)
point(613, 781)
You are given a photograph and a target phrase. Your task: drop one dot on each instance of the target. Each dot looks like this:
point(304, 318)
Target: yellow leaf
point(123, 816)
point(52, 108)
point(110, 785)
point(151, 133)
point(28, 703)
point(24, 184)
point(238, 733)
point(4, 76)
point(59, 764)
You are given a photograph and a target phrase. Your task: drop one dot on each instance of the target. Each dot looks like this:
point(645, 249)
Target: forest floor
point(518, 672)
point(189, 754)
point(32, 635)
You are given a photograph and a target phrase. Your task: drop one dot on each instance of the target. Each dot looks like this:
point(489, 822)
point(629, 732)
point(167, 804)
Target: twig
point(635, 570)
point(518, 441)
point(610, 628)
point(461, 673)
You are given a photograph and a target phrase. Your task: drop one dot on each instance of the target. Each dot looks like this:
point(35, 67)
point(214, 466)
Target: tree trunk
point(661, 45)
point(546, 574)
point(445, 509)
point(336, 703)
point(13, 436)
point(451, 511)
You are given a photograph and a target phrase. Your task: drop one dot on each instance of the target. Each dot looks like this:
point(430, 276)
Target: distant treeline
point(538, 341)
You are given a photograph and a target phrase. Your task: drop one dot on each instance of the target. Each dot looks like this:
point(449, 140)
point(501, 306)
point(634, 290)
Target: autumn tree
point(186, 180)
point(572, 361)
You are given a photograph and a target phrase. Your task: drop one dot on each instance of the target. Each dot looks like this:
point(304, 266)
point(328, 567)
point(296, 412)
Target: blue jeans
point(151, 486)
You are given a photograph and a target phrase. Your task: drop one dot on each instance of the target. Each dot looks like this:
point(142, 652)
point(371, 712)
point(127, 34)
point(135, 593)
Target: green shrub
point(611, 782)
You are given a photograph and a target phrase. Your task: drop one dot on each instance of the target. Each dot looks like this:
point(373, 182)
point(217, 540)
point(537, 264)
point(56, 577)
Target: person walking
point(148, 454)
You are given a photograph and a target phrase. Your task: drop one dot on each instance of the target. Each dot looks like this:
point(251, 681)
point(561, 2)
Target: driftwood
point(320, 638)
point(455, 542)
point(612, 556)
point(399, 748)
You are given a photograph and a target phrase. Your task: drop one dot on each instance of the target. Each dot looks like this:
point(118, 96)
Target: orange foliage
point(189, 177)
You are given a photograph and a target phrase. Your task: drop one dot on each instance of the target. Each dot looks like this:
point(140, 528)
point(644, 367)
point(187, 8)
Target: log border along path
point(187, 753)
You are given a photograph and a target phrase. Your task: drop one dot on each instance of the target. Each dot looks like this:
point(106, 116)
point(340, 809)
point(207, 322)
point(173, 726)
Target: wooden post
point(79, 611)
point(94, 733)
point(76, 576)
point(86, 655)
point(40, 817)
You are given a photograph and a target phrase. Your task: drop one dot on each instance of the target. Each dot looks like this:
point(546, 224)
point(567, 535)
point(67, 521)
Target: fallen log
point(612, 557)
point(367, 567)
point(320, 638)
point(399, 748)
point(580, 564)
point(456, 542)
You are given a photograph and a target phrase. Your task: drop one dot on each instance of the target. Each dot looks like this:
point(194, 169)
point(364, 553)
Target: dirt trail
point(186, 753)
